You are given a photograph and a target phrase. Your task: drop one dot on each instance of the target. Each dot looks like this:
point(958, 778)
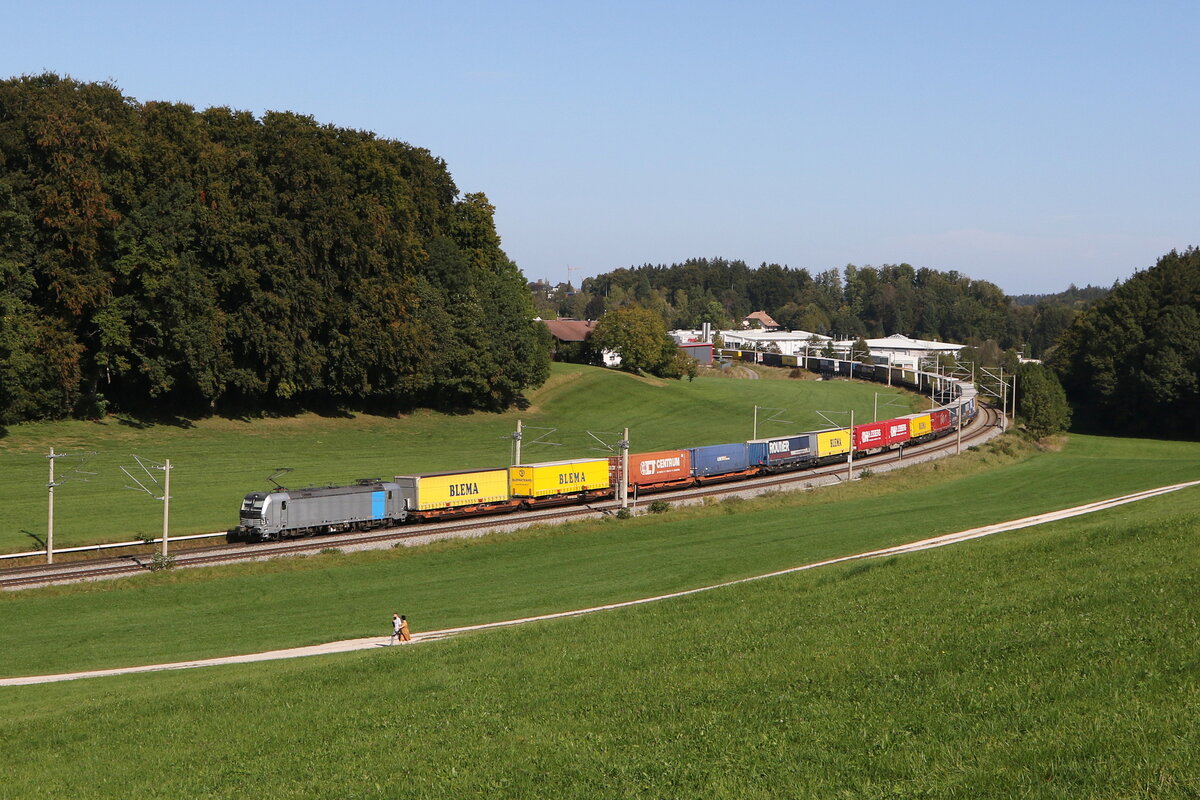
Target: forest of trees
point(158, 258)
point(1131, 363)
point(848, 303)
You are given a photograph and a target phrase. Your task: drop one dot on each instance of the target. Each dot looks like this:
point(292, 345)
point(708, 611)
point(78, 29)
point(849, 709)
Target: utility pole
point(625, 469)
point(166, 502)
point(850, 459)
point(74, 474)
point(1014, 394)
point(517, 445)
point(1003, 401)
point(50, 513)
point(958, 433)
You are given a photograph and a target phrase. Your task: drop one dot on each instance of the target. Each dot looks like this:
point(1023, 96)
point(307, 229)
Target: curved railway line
point(983, 428)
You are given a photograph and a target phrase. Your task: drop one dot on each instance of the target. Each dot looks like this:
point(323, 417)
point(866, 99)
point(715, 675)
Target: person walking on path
point(397, 624)
point(403, 629)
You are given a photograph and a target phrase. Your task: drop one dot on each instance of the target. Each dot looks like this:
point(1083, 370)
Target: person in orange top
point(404, 634)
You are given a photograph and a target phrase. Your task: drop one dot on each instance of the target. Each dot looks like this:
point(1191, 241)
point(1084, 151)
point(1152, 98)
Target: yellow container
point(454, 489)
point(558, 477)
point(919, 425)
point(834, 442)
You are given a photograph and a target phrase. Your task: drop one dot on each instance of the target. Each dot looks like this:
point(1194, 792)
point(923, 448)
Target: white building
point(790, 343)
point(899, 350)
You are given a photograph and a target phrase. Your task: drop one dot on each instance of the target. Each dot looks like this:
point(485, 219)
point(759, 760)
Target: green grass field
point(290, 602)
point(216, 461)
point(1058, 661)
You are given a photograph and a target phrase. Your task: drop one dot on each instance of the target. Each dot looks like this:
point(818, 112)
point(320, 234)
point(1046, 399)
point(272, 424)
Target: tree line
point(1131, 363)
point(1121, 360)
point(848, 303)
point(157, 257)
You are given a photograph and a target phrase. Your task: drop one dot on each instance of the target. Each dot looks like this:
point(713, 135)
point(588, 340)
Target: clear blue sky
point(1032, 144)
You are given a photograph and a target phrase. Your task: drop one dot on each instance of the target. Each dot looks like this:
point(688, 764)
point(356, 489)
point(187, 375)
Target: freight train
point(374, 503)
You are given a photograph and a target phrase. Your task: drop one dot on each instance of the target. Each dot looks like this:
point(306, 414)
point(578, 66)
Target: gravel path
point(349, 645)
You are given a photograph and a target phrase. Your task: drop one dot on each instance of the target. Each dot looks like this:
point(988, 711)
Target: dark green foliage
point(640, 338)
point(1041, 402)
point(857, 302)
point(1073, 296)
point(153, 255)
point(861, 351)
point(1131, 363)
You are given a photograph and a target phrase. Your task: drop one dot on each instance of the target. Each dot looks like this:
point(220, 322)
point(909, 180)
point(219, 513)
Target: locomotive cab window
point(252, 507)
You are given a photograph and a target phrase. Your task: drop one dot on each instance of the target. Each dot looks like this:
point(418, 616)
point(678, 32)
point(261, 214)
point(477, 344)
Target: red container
point(897, 431)
point(870, 436)
point(939, 420)
point(652, 469)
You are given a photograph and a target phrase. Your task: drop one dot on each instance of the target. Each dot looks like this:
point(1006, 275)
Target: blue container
point(719, 459)
point(782, 451)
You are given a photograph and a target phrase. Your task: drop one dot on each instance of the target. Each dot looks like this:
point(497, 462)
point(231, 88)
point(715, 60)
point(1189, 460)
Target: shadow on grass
point(37, 537)
point(868, 565)
point(142, 422)
point(280, 408)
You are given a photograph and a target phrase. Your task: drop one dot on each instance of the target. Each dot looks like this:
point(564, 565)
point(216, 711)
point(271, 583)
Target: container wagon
point(648, 472)
point(832, 444)
point(555, 482)
point(455, 494)
point(780, 453)
point(721, 462)
point(919, 426)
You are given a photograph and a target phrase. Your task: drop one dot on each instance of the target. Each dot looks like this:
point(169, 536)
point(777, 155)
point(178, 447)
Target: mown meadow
point(1056, 661)
point(216, 461)
point(185, 614)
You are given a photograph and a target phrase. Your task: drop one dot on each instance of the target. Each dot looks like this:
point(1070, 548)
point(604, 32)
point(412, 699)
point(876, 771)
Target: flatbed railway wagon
point(455, 494)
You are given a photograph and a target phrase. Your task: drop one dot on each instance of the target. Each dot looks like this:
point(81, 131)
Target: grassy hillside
point(197, 613)
point(217, 461)
point(1057, 661)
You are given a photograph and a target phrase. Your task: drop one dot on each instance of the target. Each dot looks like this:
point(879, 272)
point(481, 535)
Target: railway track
point(983, 428)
